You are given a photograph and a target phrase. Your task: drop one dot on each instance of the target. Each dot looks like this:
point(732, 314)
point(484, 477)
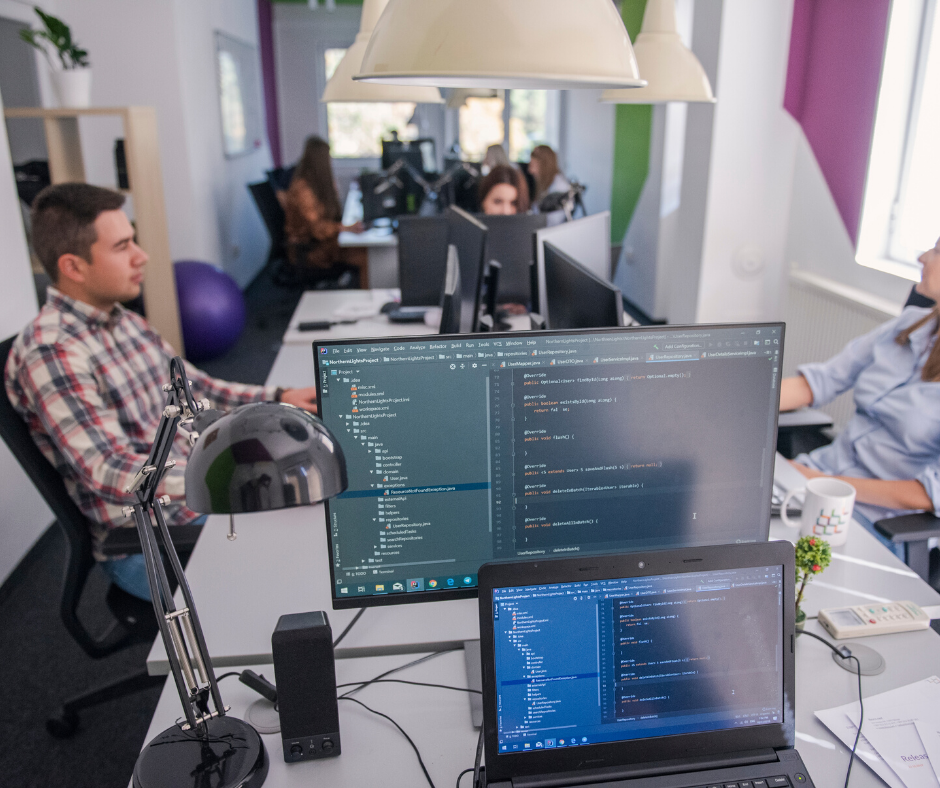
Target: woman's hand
point(891, 494)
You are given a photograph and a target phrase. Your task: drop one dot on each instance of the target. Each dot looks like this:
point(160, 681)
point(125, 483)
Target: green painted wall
point(631, 143)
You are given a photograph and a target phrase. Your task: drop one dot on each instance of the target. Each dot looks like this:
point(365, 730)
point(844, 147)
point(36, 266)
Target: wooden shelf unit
point(142, 151)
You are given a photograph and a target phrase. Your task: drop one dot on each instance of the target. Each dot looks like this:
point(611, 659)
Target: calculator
point(877, 619)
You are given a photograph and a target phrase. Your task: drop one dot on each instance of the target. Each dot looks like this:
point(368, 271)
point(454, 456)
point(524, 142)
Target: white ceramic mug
point(827, 509)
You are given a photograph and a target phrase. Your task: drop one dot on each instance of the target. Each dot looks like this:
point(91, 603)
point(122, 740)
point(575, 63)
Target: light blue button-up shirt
point(895, 432)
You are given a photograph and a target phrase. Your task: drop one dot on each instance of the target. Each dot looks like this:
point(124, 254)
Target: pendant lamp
point(458, 96)
point(672, 72)
point(539, 44)
point(342, 88)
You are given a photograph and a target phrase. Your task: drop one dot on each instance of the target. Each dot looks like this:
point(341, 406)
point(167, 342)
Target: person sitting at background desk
point(504, 192)
point(543, 166)
point(890, 449)
point(314, 218)
point(87, 374)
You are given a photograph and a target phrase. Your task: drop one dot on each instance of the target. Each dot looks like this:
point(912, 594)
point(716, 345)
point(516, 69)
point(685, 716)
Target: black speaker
point(305, 675)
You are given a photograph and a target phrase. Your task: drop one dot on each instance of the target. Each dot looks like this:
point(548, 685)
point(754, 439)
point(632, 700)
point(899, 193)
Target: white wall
point(163, 55)
point(25, 514)
point(751, 172)
point(587, 150)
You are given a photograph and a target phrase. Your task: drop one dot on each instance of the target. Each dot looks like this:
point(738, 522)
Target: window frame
point(900, 96)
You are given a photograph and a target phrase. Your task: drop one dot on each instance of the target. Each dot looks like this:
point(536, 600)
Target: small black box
point(305, 675)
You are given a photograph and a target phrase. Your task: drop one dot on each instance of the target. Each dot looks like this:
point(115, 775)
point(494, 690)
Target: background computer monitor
point(587, 240)
point(469, 236)
point(576, 297)
point(510, 242)
point(466, 449)
point(420, 154)
point(450, 298)
point(422, 259)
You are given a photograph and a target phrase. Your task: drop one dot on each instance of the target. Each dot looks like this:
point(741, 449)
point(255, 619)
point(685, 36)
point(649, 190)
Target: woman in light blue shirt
point(890, 450)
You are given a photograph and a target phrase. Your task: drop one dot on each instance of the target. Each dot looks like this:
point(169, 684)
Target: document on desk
point(890, 729)
point(930, 735)
point(839, 722)
point(889, 726)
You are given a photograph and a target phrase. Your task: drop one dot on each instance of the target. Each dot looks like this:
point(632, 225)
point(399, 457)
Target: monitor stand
point(471, 655)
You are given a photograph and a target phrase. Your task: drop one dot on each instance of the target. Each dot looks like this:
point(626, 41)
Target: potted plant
point(813, 555)
point(71, 79)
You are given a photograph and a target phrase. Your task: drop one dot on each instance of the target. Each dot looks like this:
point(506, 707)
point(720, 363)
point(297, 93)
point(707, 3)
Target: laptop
point(660, 669)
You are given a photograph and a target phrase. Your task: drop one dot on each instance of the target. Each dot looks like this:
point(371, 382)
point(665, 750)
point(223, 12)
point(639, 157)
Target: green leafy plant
point(813, 555)
point(57, 35)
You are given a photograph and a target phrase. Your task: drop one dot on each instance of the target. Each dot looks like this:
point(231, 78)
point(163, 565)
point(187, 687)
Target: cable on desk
point(418, 661)
point(226, 675)
point(402, 730)
point(465, 771)
point(362, 684)
point(861, 708)
point(348, 627)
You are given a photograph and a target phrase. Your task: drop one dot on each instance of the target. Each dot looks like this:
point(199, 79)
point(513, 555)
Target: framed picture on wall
point(239, 95)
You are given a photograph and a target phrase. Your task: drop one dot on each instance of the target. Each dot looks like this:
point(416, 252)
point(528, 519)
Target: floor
point(42, 665)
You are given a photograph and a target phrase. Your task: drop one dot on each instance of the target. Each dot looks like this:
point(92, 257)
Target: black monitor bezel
point(500, 229)
point(453, 214)
point(345, 603)
point(650, 750)
point(610, 290)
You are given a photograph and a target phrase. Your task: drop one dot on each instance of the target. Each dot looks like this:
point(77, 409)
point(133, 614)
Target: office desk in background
point(382, 248)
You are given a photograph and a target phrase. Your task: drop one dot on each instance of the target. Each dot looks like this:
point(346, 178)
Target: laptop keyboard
point(781, 781)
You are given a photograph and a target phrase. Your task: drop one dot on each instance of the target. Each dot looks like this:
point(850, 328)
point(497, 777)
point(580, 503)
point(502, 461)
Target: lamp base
point(231, 755)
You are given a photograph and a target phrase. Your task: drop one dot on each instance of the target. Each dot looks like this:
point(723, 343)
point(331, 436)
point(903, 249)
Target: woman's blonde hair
point(548, 169)
point(931, 371)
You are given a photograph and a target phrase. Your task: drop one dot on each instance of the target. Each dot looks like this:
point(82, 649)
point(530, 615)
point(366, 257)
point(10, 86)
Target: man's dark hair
point(63, 219)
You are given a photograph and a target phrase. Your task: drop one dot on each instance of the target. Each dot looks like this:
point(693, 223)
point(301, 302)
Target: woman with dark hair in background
point(314, 215)
point(504, 191)
point(543, 166)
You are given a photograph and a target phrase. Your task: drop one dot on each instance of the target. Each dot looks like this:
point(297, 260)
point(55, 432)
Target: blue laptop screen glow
point(615, 660)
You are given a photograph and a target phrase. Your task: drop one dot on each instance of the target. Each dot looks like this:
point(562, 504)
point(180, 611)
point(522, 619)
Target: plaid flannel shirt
point(89, 384)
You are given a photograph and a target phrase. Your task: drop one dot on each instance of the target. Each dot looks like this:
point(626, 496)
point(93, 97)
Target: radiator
point(822, 316)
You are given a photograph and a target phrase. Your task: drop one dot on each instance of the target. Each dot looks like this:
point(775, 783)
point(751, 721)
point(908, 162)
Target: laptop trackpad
point(471, 654)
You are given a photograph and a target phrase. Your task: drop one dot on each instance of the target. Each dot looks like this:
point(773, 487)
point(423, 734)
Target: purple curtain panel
point(268, 82)
point(836, 52)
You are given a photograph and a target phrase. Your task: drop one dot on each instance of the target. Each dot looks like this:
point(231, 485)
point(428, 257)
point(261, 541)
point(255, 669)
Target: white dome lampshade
point(668, 65)
point(342, 87)
point(537, 44)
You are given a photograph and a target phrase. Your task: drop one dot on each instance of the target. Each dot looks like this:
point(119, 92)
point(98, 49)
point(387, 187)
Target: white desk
point(333, 304)
point(439, 720)
point(374, 752)
point(382, 248)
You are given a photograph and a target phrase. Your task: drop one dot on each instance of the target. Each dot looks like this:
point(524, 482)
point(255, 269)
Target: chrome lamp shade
point(261, 457)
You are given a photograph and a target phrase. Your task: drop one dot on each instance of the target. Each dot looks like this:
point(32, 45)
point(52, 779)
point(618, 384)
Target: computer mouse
point(389, 307)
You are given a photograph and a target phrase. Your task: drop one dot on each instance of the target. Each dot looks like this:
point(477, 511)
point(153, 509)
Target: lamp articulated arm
point(180, 628)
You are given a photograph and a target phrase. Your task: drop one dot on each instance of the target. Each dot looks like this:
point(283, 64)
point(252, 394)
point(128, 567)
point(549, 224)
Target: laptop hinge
point(646, 769)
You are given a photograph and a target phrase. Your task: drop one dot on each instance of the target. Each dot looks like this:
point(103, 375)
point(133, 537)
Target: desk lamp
point(259, 457)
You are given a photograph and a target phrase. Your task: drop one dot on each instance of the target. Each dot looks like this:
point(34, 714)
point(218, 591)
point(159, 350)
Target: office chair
point(272, 214)
point(916, 299)
point(134, 619)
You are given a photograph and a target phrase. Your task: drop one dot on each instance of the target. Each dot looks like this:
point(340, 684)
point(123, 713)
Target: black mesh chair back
point(916, 299)
point(272, 214)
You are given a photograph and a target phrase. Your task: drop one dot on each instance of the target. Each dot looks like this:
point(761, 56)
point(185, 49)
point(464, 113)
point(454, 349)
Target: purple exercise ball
point(212, 309)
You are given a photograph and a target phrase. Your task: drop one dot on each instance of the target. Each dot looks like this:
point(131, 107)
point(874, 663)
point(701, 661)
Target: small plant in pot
point(813, 555)
point(71, 78)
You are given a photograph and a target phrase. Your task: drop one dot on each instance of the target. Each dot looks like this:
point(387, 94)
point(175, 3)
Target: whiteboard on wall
point(240, 104)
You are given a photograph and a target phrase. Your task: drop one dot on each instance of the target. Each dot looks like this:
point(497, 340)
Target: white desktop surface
point(280, 564)
point(323, 305)
point(375, 236)
point(373, 751)
point(439, 720)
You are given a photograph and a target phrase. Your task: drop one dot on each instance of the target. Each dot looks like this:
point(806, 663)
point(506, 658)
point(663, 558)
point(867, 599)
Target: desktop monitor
point(587, 240)
point(577, 298)
point(420, 154)
point(510, 242)
point(469, 236)
point(467, 449)
point(450, 298)
point(422, 259)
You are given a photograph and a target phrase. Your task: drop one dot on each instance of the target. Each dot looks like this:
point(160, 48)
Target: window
point(901, 213)
point(356, 130)
point(532, 120)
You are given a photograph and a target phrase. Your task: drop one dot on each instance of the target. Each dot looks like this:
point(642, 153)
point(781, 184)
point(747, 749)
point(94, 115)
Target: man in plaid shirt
point(87, 374)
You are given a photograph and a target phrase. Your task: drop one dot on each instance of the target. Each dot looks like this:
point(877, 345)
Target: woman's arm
point(795, 393)
point(902, 494)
